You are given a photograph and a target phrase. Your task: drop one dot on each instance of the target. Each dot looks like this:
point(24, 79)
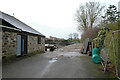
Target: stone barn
point(18, 38)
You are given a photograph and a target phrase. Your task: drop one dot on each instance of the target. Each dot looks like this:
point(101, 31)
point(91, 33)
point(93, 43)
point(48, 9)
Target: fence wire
point(105, 52)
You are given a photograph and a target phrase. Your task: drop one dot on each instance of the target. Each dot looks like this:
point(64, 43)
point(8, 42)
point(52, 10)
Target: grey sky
point(50, 17)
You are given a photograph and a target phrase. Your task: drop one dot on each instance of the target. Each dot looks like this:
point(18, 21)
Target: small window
point(39, 40)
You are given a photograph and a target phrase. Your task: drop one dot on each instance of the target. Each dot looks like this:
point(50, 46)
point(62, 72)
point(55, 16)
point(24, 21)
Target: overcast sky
point(50, 17)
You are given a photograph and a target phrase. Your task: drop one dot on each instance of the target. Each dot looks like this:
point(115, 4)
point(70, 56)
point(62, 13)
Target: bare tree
point(88, 14)
point(75, 35)
point(81, 18)
point(70, 35)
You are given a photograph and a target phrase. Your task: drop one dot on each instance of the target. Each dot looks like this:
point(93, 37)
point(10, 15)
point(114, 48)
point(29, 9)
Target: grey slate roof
point(18, 24)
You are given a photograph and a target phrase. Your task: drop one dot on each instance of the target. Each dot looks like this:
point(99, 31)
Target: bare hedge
point(90, 33)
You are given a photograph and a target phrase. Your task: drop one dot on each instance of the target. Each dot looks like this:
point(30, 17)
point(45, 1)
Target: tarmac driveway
point(62, 63)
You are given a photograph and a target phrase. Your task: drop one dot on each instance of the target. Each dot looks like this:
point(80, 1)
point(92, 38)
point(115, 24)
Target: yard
point(65, 62)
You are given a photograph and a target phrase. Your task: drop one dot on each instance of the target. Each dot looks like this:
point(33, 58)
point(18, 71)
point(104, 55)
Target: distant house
point(19, 38)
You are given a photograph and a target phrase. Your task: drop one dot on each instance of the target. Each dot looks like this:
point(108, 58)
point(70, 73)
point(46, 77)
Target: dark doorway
point(23, 45)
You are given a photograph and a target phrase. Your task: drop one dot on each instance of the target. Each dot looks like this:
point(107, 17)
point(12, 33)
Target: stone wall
point(33, 44)
point(9, 42)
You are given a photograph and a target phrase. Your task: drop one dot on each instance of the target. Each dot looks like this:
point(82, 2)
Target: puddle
point(76, 49)
point(71, 54)
point(59, 50)
point(53, 60)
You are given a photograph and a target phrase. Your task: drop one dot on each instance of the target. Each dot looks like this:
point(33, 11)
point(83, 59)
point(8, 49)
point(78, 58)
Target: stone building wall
point(9, 42)
point(33, 44)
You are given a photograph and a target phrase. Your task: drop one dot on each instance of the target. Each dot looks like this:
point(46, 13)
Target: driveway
point(66, 62)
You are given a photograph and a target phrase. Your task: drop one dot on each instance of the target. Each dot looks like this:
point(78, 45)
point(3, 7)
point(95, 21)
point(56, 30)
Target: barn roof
point(18, 24)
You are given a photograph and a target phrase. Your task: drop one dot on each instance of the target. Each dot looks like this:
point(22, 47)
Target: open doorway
point(21, 45)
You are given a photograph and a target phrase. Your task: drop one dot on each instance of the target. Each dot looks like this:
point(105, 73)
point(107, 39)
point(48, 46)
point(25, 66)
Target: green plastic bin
point(96, 58)
point(96, 51)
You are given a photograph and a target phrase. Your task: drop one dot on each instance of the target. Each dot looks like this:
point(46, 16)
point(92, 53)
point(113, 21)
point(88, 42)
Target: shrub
point(100, 37)
point(90, 33)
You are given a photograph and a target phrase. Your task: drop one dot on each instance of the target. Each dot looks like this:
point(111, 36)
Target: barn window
point(39, 40)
